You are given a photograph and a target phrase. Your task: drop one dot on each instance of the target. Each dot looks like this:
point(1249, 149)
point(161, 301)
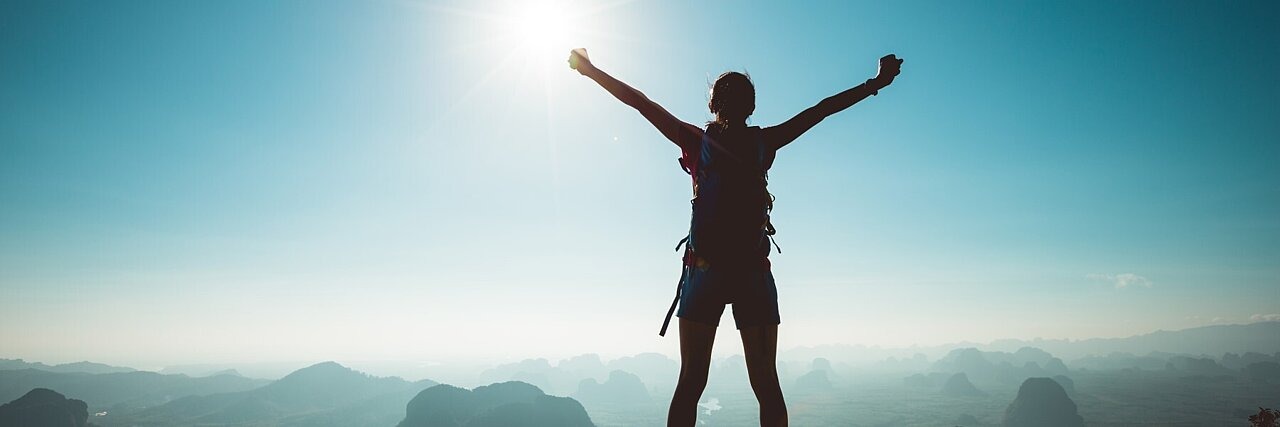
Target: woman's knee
point(763, 377)
point(767, 389)
point(692, 379)
point(771, 395)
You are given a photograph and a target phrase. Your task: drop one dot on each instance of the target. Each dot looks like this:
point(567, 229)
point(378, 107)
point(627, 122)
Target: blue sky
point(214, 181)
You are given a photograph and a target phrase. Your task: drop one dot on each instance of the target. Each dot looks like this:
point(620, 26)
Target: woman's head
point(733, 98)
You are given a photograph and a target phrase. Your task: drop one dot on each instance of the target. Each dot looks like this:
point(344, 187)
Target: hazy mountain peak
point(38, 395)
point(1042, 402)
point(320, 372)
point(959, 385)
point(499, 404)
point(44, 407)
point(621, 388)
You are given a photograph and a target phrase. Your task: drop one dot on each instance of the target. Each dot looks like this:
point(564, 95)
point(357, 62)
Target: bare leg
point(696, 340)
point(760, 345)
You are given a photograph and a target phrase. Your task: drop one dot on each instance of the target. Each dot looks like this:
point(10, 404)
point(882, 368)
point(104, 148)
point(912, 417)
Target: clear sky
point(254, 181)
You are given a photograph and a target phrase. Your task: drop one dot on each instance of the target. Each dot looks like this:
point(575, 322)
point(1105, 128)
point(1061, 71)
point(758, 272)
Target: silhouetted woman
point(726, 256)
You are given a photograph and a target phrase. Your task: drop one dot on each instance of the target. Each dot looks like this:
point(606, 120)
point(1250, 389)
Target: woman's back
point(731, 202)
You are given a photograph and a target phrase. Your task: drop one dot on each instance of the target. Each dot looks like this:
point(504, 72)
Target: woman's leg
point(695, 363)
point(760, 346)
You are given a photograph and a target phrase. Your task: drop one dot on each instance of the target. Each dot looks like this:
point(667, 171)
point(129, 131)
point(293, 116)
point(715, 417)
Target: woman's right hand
point(578, 60)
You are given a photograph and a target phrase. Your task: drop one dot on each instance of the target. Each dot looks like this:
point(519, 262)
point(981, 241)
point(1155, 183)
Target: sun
point(540, 29)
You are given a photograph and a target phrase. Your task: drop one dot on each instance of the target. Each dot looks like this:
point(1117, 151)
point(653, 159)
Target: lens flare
point(540, 30)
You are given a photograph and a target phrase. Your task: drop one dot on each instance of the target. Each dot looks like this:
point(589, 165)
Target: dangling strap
point(684, 272)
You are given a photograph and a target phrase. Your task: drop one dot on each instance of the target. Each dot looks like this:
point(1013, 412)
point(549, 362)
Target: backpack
point(731, 202)
point(731, 206)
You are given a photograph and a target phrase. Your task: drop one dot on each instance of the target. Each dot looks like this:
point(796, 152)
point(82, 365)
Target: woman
point(726, 259)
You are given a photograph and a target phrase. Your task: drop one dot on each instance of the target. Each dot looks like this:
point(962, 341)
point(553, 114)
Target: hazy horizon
point(203, 182)
point(485, 361)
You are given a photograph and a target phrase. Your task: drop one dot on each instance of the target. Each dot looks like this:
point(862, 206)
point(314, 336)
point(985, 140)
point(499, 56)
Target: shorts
point(705, 289)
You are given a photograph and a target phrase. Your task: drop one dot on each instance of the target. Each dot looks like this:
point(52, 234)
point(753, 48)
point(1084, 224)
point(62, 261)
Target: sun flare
point(541, 29)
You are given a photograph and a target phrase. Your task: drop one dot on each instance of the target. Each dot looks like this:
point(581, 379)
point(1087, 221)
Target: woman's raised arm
point(781, 135)
point(681, 133)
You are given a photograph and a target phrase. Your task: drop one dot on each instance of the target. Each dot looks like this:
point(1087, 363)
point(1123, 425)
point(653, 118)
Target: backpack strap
point(674, 302)
point(766, 157)
point(689, 159)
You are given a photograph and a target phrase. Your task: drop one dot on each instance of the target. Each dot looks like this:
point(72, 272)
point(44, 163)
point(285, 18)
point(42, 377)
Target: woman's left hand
point(890, 67)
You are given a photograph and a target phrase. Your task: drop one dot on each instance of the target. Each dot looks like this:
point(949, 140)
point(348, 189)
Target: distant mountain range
point(268, 370)
point(120, 391)
point(1261, 337)
point(329, 394)
point(322, 394)
point(85, 367)
point(325, 394)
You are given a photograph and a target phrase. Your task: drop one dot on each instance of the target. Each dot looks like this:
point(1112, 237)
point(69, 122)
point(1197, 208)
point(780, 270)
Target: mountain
point(653, 368)
point(816, 380)
point(728, 375)
point(1117, 361)
point(317, 389)
point(930, 380)
point(822, 364)
point(1057, 367)
point(231, 372)
point(584, 366)
point(997, 367)
point(42, 407)
point(977, 361)
point(1196, 366)
point(268, 370)
point(538, 372)
point(621, 388)
point(1260, 337)
point(967, 360)
point(1067, 384)
point(121, 390)
point(1263, 371)
point(1042, 402)
point(381, 410)
point(917, 362)
point(84, 367)
point(958, 385)
point(509, 403)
